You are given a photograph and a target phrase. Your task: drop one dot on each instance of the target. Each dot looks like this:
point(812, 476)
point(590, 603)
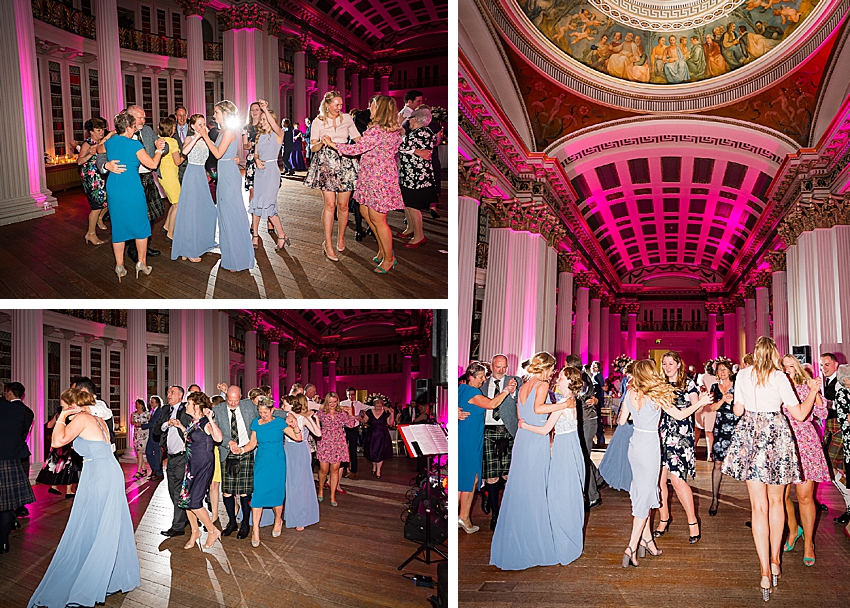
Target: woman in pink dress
point(332, 447)
point(812, 463)
point(377, 189)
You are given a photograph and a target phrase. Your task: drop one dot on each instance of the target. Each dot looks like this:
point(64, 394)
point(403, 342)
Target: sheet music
point(424, 439)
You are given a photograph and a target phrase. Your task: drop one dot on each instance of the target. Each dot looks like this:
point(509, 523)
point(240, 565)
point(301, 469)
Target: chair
point(394, 439)
point(608, 410)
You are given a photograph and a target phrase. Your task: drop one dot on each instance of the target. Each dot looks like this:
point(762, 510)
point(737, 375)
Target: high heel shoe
point(643, 549)
point(121, 272)
point(790, 547)
point(629, 558)
point(412, 245)
point(255, 242)
point(332, 258)
point(809, 561)
point(255, 543)
point(765, 590)
point(214, 534)
point(146, 270)
point(380, 269)
point(712, 510)
point(695, 539)
point(660, 533)
point(193, 540)
point(775, 576)
point(91, 237)
point(467, 529)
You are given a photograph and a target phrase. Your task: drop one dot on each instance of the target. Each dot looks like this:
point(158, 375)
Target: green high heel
point(809, 561)
point(790, 547)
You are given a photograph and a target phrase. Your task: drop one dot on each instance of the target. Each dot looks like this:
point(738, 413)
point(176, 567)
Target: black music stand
point(415, 449)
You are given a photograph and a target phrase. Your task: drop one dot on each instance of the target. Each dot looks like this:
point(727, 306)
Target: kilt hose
point(238, 474)
point(498, 445)
point(835, 448)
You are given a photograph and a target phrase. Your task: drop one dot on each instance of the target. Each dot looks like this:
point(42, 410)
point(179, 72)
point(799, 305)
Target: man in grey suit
point(181, 132)
point(234, 417)
point(500, 427)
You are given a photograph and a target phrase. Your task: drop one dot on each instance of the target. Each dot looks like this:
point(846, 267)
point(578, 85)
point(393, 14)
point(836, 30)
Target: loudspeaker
point(414, 527)
point(425, 391)
point(802, 353)
point(440, 347)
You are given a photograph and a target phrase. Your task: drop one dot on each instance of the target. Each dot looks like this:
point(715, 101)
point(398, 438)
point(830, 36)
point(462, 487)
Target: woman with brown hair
point(812, 463)
point(93, 183)
point(648, 397)
point(169, 167)
point(332, 448)
point(379, 446)
point(301, 508)
point(763, 453)
point(333, 174)
point(723, 392)
point(378, 190)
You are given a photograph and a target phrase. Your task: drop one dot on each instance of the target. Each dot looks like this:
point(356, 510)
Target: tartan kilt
point(15, 488)
point(496, 465)
point(243, 483)
point(156, 206)
point(835, 450)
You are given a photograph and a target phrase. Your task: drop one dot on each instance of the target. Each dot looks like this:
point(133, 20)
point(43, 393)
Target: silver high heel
point(468, 530)
point(143, 269)
point(774, 576)
point(121, 272)
point(765, 591)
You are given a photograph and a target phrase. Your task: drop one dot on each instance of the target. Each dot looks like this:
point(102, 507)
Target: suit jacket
point(507, 409)
point(829, 388)
point(222, 419)
point(17, 420)
point(154, 425)
point(182, 168)
point(165, 415)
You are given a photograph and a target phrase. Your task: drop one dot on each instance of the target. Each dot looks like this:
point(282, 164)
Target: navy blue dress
point(470, 440)
point(380, 447)
point(200, 466)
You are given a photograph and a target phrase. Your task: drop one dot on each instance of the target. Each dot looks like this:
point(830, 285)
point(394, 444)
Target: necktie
point(498, 390)
point(234, 430)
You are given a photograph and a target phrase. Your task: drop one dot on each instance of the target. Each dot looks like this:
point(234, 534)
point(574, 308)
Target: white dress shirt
point(142, 168)
point(492, 392)
point(241, 429)
point(313, 406)
point(173, 443)
point(182, 131)
point(357, 406)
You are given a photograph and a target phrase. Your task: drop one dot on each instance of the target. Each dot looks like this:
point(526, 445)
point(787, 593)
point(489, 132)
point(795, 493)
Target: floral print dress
point(809, 448)
point(416, 175)
point(332, 445)
point(677, 437)
point(140, 435)
point(250, 163)
point(725, 423)
point(93, 183)
point(377, 181)
point(842, 408)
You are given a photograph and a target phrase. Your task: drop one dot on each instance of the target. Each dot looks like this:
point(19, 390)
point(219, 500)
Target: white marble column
point(228, 67)
point(299, 79)
point(712, 335)
point(564, 315)
point(750, 307)
point(274, 369)
point(841, 241)
point(368, 89)
point(250, 360)
point(195, 94)
point(177, 340)
point(272, 68)
point(28, 368)
point(340, 77)
point(219, 370)
point(632, 339)
point(762, 311)
point(741, 318)
point(332, 373)
point(137, 364)
point(354, 94)
point(196, 360)
point(780, 309)
point(23, 189)
point(730, 334)
point(467, 231)
point(317, 377)
point(605, 337)
point(109, 60)
point(305, 370)
point(406, 376)
point(594, 333)
point(290, 369)
point(615, 333)
point(323, 55)
point(581, 345)
point(385, 79)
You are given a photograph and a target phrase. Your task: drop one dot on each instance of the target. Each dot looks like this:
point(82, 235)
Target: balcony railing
point(419, 83)
point(369, 369)
point(63, 17)
point(285, 67)
point(237, 346)
point(669, 326)
point(155, 322)
point(135, 40)
point(212, 51)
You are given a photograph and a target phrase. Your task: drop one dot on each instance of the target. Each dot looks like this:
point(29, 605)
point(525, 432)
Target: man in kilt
point(833, 437)
point(235, 416)
point(500, 427)
point(15, 488)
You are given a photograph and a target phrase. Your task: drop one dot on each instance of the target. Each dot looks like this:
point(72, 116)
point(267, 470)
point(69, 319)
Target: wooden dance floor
point(720, 571)
point(48, 258)
point(350, 558)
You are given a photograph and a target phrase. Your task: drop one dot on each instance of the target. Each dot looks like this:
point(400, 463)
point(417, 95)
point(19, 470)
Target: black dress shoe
point(434, 214)
point(842, 519)
point(244, 532)
point(594, 503)
point(16, 525)
point(358, 236)
point(485, 501)
point(153, 252)
point(133, 255)
point(22, 512)
point(171, 532)
point(822, 507)
point(230, 529)
point(493, 521)
point(4, 548)
point(54, 491)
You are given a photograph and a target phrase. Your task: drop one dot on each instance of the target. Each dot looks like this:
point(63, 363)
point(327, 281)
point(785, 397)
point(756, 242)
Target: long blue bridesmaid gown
point(565, 489)
point(615, 468)
point(645, 458)
point(302, 506)
point(97, 553)
point(234, 231)
point(523, 536)
point(194, 226)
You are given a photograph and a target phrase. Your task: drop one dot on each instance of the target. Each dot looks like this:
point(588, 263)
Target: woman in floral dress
point(724, 396)
point(416, 174)
point(93, 183)
point(842, 409)
point(332, 448)
point(677, 448)
point(812, 463)
point(377, 189)
point(140, 436)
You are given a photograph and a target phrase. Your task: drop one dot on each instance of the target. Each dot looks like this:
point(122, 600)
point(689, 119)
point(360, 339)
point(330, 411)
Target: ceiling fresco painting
point(648, 41)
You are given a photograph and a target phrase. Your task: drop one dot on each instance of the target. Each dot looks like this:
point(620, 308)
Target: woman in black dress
point(288, 144)
point(724, 397)
point(62, 466)
point(201, 437)
point(379, 447)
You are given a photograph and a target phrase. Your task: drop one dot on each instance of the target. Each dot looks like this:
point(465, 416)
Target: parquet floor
point(48, 258)
point(350, 558)
point(720, 571)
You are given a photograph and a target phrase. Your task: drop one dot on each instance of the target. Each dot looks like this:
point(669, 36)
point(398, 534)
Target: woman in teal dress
point(267, 433)
point(470, 433)
point(97, 554)
point(128, 208)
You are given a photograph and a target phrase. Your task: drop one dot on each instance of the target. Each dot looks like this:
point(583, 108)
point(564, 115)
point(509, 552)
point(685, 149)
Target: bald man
point(234, 417)
point(500, 426)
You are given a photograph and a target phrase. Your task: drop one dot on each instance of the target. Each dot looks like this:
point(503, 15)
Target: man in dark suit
point(174, 443)
point(599, 394)
point(234, 417)
point(153, 448)
point(181, 132)
point(833, 435)
point(500, 427)
point(14, 392)
point(587, 423)
point(15, 489)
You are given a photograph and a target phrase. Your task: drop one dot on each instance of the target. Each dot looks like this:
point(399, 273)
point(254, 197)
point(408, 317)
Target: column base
point(26, 208)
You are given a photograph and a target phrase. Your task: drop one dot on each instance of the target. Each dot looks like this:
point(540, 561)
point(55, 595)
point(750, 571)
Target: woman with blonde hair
point(234, 234)
point(379, 446)
point(523, 537)
point(812, 463)
point(333, 174)
point(763, 453)
point(332, 448)
point(169, 167)
point(378, 190)
point(267, 176)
